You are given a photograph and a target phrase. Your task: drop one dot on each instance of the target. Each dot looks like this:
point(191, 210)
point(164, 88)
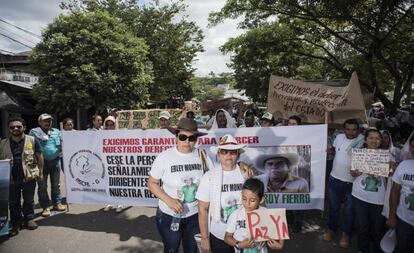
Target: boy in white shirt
point(236, 233)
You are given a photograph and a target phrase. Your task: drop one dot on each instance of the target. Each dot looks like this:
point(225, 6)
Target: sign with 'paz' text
point(265, 224)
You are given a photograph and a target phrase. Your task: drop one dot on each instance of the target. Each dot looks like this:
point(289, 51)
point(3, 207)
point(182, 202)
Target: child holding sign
point(368, 193)
point(237, 234)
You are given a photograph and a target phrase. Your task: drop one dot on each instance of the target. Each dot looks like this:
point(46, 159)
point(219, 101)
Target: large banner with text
point(113, 166)
point(4, 196)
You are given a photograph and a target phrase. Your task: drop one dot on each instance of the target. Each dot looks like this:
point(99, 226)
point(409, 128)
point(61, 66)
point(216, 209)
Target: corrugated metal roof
point(18, 84)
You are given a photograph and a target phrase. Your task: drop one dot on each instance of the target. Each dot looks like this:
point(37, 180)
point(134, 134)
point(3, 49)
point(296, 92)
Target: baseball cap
point(45, 116)
point(165, 115)
point(267, 116)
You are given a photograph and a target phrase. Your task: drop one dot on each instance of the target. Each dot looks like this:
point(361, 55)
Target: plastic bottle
point(175, 223)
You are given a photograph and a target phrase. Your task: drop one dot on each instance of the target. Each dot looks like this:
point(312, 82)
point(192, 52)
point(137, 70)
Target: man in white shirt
point(340, 184)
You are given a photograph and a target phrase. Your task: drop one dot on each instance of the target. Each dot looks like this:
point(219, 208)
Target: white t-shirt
point(237, 225)
point(230, 199)
point(370, 189)
point(404, 176)
point(180, 174)
point(342, 161)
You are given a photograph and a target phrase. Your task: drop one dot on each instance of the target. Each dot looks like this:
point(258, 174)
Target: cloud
point(34, 15)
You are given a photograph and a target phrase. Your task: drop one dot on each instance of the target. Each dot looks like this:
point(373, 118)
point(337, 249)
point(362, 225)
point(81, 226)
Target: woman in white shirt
point(368, 193)
point(219, 195)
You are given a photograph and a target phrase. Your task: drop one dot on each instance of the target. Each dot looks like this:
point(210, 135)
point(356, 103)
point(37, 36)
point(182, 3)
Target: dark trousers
point(339, 192)
point(17, 190)
point(172, 239)
point(50, 168)
point(219, 246)
point(405, 236)
point(371, 225)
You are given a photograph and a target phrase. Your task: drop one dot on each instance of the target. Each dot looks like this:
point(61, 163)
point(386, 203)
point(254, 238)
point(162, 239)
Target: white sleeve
point(157, 168)
point(203, 192)
point(397, 174)
point(335, 142)
point(231, 223)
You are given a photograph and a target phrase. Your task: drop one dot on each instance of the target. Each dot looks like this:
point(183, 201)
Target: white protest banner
point(265, 224)
point(311, 101)
point(4, 196)
point(112, 166)
point(371, 161)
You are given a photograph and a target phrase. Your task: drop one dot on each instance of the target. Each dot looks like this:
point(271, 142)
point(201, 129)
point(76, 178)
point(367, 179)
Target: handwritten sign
point(265, 224)
point(371, 161)
point(312, 101)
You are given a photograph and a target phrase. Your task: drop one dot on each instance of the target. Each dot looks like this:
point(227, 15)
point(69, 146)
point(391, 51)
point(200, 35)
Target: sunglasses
point(13, 127)
point(191, 138)
point(231, 152)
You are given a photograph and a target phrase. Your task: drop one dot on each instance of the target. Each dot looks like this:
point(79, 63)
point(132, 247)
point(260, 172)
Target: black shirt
point(17, 149)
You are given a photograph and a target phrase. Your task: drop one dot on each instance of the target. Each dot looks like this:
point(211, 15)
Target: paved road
point(87, 228)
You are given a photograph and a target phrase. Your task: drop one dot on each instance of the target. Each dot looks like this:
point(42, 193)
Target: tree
point(206, 88)
point(90, 60)
point(374, 38)
point(173, 41)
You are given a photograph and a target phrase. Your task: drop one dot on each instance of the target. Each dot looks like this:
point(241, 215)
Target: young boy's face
point(250, 200)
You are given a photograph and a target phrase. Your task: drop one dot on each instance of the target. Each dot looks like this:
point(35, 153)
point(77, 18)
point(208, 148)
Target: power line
point(17, 35)
point(16, 40)
point(29, 32)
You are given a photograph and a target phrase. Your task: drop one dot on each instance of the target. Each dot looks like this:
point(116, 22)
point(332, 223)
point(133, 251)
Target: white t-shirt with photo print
point(404, 176)
point(370, 189)
point(237, 225)
point(180, 174)
point(230, 198)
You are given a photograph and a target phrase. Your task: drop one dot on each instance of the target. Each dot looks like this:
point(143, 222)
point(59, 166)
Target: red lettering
point(276, 222)
point(252, 219)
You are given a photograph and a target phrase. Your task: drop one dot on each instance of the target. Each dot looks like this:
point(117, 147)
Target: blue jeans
point(371, 224)
point(339, 192)
point(17, 189)
point(50, 168)
point(405, 235)
point(172, 239)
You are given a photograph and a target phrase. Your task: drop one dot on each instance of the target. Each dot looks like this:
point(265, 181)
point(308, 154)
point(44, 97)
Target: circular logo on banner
point(86, 168)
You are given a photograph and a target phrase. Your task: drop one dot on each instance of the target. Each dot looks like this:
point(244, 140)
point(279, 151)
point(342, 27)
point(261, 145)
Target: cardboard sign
point(314, 101)
point(265, 224)
point(371, 161)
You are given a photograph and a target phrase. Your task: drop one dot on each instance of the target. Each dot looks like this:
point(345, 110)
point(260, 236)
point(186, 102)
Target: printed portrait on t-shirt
point(409, 200)
point(188, 191)
point(371, 183)
point(230, 206)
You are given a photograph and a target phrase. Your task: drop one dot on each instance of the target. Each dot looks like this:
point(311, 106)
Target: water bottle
point(175, 223)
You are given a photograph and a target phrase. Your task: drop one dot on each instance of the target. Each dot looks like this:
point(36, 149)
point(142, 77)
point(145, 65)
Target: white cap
point(165, 115)
point(267, 116)
point(45, 116)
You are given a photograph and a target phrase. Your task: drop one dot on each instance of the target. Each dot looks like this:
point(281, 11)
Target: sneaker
point(344, 241)
point(107, 208)
point(46, 212)
point(59, 207)
point(119, 208)
point(30, 224)
point(328, 235)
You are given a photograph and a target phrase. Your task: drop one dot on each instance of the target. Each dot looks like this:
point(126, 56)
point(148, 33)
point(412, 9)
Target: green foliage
point(173, 41)
point(90, 60)
point(323, 39)
point(205, 88)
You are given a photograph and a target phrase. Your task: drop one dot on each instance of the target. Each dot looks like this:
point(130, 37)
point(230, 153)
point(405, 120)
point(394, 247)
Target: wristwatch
point(237, 245)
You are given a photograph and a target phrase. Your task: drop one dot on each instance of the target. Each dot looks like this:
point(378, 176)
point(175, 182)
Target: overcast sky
point(34, 15)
